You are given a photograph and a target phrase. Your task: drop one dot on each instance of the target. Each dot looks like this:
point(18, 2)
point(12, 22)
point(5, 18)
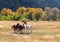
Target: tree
point(6, 11)
point(39, 14)
point(48, 13)
point(21, 10)
point(9, 12)
point(55, 12)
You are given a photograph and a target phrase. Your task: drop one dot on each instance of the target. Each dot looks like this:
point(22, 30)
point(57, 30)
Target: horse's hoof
point(21, 33)
point(27, 33)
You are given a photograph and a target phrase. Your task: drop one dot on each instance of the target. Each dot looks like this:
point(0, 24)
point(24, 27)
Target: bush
point(37, 16)
point(29, 16)
point(16, 17)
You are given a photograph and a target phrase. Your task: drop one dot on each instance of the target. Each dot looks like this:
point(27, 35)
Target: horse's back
point(21, 27)
point(29, 26)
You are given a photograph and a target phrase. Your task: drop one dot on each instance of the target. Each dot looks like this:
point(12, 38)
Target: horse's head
point(14, 27)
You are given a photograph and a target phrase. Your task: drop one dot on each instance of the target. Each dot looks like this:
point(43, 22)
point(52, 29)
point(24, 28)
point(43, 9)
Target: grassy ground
point(43, 31)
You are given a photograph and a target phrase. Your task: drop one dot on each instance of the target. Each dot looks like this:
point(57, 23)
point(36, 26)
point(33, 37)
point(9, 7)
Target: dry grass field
point(43, 31)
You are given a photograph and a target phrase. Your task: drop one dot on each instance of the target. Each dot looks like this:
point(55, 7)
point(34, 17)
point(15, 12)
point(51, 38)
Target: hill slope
point(14, 4)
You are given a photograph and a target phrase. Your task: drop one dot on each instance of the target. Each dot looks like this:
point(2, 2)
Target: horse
point(18, 27)
point(28, 27)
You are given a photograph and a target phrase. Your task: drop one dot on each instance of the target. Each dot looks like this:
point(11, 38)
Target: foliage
point(6, 11)
point(34, 14)
point(55, 13)
point(37, 16)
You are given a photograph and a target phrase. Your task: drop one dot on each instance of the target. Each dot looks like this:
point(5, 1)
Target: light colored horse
point(28, 28)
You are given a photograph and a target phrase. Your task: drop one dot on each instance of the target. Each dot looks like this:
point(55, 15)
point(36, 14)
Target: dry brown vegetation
point(43, 31)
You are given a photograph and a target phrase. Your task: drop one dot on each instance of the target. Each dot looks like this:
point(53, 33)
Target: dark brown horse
point(18, 27)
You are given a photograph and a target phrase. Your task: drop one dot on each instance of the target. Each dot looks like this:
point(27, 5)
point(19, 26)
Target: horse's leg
point(18, 30)
point(27, 30)
point(30, 30)
point(15, 31)
point(23, 30)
